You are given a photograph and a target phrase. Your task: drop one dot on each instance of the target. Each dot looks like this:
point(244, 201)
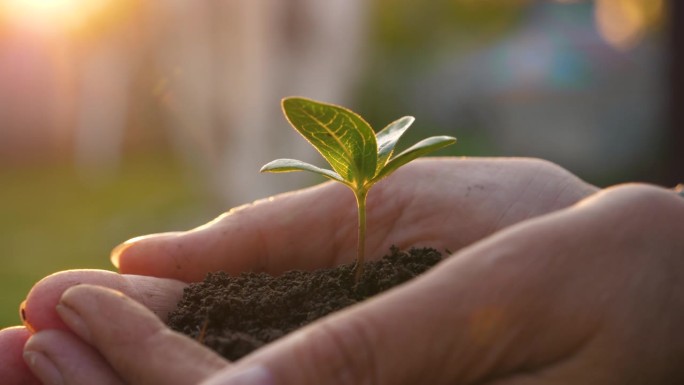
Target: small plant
point(359, 157)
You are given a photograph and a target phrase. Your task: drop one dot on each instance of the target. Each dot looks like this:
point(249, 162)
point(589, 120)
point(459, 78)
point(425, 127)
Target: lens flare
point(51, 14)
point(622, 23)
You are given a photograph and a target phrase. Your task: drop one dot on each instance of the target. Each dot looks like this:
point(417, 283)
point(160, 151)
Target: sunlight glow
point(622, 23)
point(52, 14)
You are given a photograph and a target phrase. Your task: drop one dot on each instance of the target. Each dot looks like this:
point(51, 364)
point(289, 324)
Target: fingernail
point(115, 255)
point(118, 250)
point(253, 375)
point(43, 368)
point(24, 320)
point(73, 321)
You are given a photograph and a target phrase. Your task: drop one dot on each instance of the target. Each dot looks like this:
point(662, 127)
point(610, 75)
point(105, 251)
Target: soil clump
point(234, 315)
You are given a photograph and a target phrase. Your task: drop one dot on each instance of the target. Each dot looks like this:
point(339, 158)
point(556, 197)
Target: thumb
point(120, 341)
point(392, 339)
point(490, 312)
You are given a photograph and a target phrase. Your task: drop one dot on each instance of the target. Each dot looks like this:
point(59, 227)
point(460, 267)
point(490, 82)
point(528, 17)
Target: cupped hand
point(593, 294)
point(443, 203)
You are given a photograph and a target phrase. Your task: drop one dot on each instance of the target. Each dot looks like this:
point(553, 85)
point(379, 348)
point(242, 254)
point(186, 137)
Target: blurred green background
point(123, 118)
point(51, 220)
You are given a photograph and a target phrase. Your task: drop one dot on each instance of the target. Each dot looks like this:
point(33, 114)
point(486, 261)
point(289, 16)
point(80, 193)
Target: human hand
point(444, 203)
point(589, 295)
point(592, 294)
point(585, 295)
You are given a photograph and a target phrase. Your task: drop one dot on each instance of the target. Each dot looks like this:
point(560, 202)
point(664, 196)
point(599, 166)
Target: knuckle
point(645, 198)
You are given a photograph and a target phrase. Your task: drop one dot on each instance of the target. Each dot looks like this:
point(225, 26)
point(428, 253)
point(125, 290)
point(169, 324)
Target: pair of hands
point(551, 282)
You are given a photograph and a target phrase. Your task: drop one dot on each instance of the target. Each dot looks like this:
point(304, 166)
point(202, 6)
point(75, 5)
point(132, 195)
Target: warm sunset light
point(622, 23)
point(49, 14)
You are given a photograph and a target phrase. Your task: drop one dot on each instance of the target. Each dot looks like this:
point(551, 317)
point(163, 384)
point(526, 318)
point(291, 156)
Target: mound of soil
point(236, 315)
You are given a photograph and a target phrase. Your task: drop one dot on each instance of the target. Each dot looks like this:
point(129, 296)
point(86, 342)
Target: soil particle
point(234, 315)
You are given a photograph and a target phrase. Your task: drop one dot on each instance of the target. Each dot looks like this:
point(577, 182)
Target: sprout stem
point(361, 244)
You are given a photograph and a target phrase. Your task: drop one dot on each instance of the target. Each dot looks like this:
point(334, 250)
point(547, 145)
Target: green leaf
point(358, 157)
point(344, 139)
point(389, 136)
point(419, 149)
point(290, 165)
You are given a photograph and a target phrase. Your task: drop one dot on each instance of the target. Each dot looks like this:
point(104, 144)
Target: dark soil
point(236, 315)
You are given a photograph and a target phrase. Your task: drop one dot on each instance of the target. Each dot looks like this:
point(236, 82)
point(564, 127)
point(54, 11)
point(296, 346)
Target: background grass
point(53, 218)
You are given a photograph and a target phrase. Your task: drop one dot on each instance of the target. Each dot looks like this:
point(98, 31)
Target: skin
point(550, 283)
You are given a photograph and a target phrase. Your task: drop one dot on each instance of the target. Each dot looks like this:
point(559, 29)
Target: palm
point(443, 203)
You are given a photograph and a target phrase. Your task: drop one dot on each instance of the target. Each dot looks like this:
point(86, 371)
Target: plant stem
point(361, 245)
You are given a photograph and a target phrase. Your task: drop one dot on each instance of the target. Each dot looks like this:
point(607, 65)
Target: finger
point(59, 357)
point(374, 342)
point(247, 238)
point(38, 311)
point(132, 340)
point(277, 234)
point(13, 370)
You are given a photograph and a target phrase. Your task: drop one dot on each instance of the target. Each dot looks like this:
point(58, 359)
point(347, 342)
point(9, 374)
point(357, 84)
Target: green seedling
point(358, 156)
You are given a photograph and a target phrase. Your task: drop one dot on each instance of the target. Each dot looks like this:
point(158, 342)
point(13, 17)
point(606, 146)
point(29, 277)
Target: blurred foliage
point(53, 219)
point(415, 43)
point(407, 37)
point(406, 27)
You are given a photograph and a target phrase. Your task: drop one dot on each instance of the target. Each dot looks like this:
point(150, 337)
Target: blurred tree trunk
point(230, 63)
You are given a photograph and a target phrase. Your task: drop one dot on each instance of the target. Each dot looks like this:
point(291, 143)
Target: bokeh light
point(52, 14)
point(622, 23)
